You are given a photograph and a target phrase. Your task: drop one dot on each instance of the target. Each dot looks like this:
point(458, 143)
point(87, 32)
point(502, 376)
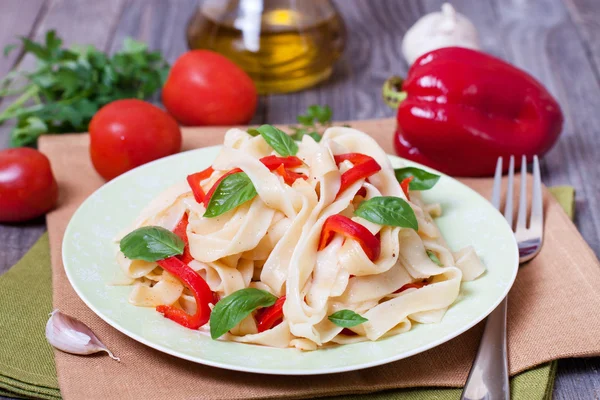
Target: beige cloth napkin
point(553, 311)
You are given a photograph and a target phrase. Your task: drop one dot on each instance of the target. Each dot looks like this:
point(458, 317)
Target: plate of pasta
point(273, 256)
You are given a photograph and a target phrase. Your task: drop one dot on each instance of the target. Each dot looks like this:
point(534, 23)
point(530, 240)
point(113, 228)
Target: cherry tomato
point(206, 88)
point(27, 186)
point(128, 133)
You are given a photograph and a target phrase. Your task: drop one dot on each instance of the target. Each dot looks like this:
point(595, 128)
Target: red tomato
point(27, 187)
point(128, 133)
point(206, 88)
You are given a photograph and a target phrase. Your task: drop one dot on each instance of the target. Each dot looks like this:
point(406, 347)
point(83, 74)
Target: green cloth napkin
point(27, 362)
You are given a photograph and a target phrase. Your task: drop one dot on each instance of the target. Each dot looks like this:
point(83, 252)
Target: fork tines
point(528, 235)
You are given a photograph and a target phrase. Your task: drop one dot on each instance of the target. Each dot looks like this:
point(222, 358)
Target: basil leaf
point(253, 132)
point(388, 210)
point(433, 257)
point(347, 318)
point(422, 180)
point(151, 243)
point(278, 140)
point(234, 190)
point(231, 310)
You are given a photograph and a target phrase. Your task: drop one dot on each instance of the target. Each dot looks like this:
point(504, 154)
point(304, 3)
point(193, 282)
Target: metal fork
point(488, 378)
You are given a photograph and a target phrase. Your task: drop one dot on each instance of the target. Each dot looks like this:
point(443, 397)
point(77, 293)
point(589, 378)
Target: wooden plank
point(76, 22)
point(586, 16)
point(17, 18)
point(156, 22)
point(578, 379)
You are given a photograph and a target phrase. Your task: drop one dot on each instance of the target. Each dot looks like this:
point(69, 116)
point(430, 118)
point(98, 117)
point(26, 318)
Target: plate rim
point(272, 371)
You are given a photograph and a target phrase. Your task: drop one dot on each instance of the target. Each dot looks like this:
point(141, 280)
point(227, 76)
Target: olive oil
point(282, 49)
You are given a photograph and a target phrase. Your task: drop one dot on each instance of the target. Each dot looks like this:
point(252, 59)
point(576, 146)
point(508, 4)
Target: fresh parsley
point(151, 243)
point(233, 191)
point(231, 310)
point(281, 142)
point(422, 180)
point(388, 210)
point(347, 318)
point(316, 120)
point(70, 85)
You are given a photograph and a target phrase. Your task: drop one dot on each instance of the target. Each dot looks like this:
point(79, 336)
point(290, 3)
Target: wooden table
point(555, 40)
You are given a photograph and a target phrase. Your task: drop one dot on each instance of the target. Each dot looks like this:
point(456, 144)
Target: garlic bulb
point(73, 336)
point(439, 29)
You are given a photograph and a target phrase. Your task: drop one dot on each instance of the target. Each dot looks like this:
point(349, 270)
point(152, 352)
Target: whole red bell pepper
point(461, 109)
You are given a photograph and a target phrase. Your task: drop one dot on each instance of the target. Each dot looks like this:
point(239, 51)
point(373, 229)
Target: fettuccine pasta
point(303, 240)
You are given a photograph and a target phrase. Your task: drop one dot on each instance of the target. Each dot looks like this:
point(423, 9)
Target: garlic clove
point(439, 29)
point(73, 336)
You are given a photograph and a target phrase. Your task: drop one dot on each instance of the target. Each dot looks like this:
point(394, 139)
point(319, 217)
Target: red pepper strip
point(199, 288)
point(354, 158)
point(194, 182)
point(272, 162)
point(214, 187)
point(370, 244)
point(415, 285)
point(288, 176)
point(181, 231)
point(359, 171)
point(405, 185)
point(271, 316)
point(348, 332)
point(362, 192)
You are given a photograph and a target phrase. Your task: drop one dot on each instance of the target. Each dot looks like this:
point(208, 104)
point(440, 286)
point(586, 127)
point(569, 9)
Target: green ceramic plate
point(89, 250)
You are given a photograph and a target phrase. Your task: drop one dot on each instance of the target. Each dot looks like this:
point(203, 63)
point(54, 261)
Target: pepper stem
point(392, 92)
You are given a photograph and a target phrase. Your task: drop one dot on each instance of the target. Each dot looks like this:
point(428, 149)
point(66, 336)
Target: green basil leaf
point(388, 210)
point(422, 180)
point(151, 243)
point(234, 190)
point(433, 257)
point(231, 310)
point(278, 140)
point(347, 318)
point(253, 132)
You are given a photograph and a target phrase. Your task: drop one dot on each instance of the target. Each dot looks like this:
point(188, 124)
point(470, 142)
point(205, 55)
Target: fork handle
point(488, 379)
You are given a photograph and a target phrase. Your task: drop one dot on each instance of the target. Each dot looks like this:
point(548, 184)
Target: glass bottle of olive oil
point(284, 45)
